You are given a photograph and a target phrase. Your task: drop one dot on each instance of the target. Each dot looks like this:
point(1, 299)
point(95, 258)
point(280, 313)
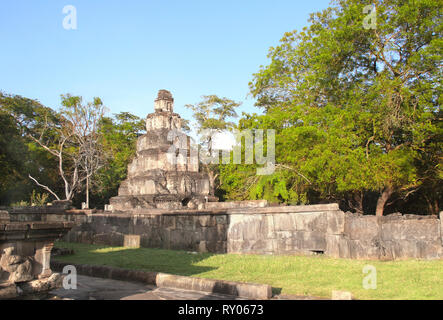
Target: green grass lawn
point(296, 275)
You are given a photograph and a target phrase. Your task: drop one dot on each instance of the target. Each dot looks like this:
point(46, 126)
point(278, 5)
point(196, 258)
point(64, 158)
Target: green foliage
point(356, 110)
point(39, 199)
point(119, 137)
point(22, 119)
point(19, 156)
point(21, 203)
point(213, 115)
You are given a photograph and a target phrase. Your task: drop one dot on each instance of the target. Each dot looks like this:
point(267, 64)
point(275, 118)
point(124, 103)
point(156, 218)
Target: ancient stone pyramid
point(165, 172)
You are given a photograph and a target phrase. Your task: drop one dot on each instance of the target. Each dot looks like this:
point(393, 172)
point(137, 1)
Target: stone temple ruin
point(165, 172)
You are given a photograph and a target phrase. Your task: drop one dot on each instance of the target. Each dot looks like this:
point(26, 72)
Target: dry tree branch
point(292, 169)
point(44, 187)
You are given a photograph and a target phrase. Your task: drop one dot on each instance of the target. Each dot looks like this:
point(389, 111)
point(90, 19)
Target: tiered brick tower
point(165, 172)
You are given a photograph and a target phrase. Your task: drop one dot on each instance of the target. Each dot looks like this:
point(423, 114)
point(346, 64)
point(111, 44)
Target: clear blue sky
point(125, 51)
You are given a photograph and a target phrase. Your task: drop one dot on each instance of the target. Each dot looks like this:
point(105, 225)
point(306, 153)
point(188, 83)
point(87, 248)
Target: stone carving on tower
point(165, 172)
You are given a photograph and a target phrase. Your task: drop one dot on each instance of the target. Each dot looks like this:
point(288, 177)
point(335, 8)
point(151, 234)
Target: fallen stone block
point(131, 241)
point(238, 289)
point(53, 282)
point(341, 295)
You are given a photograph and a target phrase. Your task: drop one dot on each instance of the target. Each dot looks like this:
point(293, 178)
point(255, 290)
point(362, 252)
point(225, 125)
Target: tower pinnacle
point(164, 102)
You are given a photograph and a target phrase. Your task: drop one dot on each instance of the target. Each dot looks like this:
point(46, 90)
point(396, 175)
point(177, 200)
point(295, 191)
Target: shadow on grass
point(156, 260)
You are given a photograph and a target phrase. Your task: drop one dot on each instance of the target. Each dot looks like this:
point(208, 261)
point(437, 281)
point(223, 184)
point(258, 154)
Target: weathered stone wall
point(325, 229)
point(317, 229)
point(284, 230)
point(191, 231)
point(236, 204)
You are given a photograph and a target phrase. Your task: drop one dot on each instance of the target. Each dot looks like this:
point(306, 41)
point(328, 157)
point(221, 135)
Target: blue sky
point(125, 51)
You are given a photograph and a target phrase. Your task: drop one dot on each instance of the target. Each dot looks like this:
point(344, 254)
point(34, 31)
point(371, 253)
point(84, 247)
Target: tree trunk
point(385, 195)
point(211, 182)
point(432, 205)
point(356, 203)
point(87, 192)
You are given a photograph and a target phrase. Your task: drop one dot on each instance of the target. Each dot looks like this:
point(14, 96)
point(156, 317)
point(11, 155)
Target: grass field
point(297, 275)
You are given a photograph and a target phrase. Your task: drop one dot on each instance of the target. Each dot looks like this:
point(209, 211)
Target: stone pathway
point(90, 288)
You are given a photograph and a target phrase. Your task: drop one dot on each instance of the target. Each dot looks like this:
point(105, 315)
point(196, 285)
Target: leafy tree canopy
point(356, 109)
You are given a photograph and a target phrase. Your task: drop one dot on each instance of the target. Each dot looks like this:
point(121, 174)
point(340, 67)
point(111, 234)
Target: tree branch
point(44, 187)
point(292, 169)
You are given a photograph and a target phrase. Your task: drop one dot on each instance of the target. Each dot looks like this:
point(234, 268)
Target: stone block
point(4, 217)
point(52, 282)
point(284, 234)
point(236, 204)
point(309, 240)
point(337, 246)
point(283, 222)
point(202, 247)
point(221, 219)
point(243, 227)
point(341, 295)
point(361, 227)
point(419, 249)
point(286, 209)
point(62, 204)
point(335, 222)
point(205, 221)
point(281, 246)
point(310, 221)
point(131, 241)
point(246, 290)
point(364, 249)
point(410, 229)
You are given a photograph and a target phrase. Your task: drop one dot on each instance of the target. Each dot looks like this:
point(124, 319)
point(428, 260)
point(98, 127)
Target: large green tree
point(20, 118)
point(355, 98)
point(118, 137)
